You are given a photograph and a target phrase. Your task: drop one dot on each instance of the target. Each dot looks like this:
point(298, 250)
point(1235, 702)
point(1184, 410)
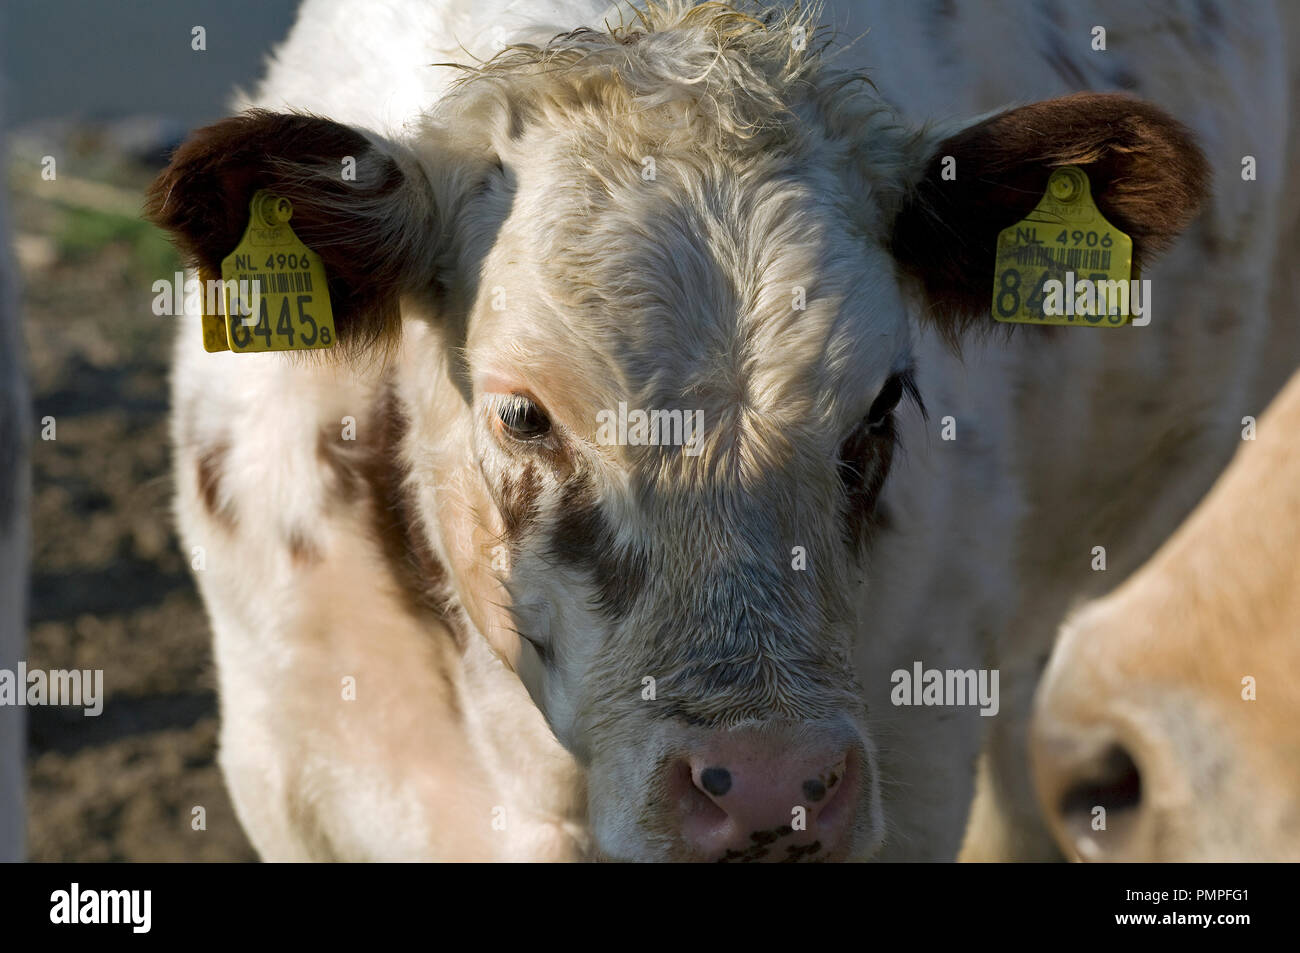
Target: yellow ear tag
point(1063, 263)
point(214, 325)
point(273, 286)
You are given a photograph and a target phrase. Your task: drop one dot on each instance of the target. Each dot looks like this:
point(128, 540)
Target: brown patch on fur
point(376, 469)
point(302, 550)
point(518, 503)
point(396, 521)
point(208, 469)
point(202, 198)
point(1147, 174)
point(584, 538)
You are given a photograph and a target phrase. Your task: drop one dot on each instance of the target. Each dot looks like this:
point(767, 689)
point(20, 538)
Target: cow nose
point(746, 799)
point(1092, 791)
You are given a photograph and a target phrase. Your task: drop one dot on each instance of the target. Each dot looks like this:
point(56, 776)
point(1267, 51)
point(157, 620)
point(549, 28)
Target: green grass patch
point(85, 233)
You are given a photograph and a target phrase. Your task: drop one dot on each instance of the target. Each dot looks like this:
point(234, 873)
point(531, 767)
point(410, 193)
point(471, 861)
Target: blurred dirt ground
point(110, 588)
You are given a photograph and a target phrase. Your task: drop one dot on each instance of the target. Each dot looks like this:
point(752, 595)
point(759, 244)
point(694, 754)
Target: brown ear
point(1147, 174)
point(376, 233)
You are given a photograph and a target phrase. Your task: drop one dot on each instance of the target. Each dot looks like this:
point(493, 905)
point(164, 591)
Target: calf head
point(700, 222)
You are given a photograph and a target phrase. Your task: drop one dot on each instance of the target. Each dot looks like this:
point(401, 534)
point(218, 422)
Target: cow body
point(1165, 726)
point(1066, 439)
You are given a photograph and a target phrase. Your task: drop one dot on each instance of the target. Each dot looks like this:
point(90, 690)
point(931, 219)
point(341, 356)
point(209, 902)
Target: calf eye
point(865, 453)
point(522, 418)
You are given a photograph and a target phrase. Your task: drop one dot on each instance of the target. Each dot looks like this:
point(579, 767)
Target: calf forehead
point(732, 286)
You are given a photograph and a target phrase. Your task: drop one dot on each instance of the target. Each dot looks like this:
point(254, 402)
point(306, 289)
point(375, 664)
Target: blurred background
point(108, 89)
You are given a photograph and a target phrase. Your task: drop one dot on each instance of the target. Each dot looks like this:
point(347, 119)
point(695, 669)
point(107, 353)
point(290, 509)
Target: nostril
point(814, 790)
point(777, 798)
point(1114, 784)
point(715, 781)
point(1102, 804)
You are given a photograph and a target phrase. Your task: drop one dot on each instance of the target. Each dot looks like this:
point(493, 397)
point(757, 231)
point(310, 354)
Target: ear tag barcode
point(1063, 263)
point(274, 289)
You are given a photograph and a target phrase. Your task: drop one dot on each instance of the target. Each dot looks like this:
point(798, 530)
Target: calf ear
point(376, 230)
point(1148, 178)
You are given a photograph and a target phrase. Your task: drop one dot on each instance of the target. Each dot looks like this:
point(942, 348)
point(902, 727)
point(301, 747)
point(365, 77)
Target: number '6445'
point(304, 334)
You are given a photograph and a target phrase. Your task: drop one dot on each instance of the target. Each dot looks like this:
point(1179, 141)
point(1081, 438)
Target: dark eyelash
point(907, 378)
point(543, 651)
point(884, 429)
point(903, 383)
